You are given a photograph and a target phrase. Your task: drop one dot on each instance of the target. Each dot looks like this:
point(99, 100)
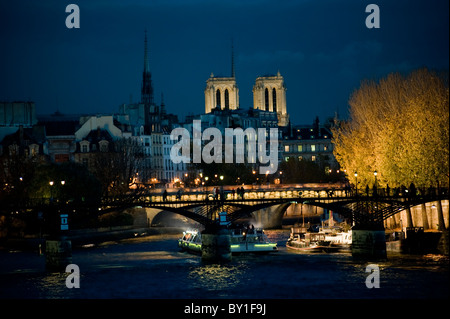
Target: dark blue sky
point(322, 48)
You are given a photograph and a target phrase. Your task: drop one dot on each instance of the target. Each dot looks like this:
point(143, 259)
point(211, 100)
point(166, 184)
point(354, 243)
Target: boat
point(191, 241)
point(252, 240)
point(242, 241)
point(338, 237)
point(311, 242)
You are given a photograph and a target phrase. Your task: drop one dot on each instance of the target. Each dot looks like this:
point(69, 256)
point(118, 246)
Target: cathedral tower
point(269, 94)
point(222, 92)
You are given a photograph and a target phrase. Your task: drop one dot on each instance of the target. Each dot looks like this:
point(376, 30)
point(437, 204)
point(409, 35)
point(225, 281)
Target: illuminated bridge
point(364, 210)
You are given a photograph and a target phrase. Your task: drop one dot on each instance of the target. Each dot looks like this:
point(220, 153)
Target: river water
point(154, 267)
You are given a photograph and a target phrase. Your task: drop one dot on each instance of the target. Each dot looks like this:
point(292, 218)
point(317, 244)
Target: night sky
point(322, 48)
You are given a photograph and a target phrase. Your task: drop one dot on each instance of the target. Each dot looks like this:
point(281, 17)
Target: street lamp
point(356, 183)
point(51, 190)
point(375, 173)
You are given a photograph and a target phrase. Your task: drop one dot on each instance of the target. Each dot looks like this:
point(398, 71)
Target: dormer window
point(84, 146)
point(103, 144)
point(34, 149)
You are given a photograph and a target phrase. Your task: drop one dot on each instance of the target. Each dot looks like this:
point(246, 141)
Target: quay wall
point(400, 220)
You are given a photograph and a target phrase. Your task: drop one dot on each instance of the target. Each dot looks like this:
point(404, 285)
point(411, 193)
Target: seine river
point(153, 267)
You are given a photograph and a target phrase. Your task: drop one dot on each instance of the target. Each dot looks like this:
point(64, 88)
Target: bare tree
point(118, 169)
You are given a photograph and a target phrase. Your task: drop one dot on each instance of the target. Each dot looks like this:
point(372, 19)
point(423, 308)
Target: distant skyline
point(323, 49)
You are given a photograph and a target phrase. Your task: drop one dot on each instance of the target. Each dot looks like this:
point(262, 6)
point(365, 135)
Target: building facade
point(311, 143)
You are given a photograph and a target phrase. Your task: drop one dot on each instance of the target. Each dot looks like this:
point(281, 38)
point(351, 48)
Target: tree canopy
point(399, 127)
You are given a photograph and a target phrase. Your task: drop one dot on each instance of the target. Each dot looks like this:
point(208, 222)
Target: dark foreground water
point(153, 267)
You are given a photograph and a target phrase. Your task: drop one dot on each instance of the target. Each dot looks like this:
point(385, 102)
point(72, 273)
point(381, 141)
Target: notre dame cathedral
point(269, 94)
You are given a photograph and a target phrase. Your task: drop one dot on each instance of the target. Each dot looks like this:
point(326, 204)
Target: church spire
point(232, 60)
point(147, 88)
point(163, 105)
point(146, 67)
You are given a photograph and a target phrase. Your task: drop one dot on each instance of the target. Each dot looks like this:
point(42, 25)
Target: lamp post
point(356, 183)
point(51, 190)
point(375, 189)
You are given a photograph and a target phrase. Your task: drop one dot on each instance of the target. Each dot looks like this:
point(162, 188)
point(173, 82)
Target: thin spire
point(232, 59)
point(146, 67)
point(163, 105)
point(147, 88)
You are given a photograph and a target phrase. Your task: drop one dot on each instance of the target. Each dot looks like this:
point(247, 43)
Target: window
point(313, 147)
point(103, 146)
point(274, 99)
point(60, 158)
point(266, 99)
point(286, 148)
point(299, 148)
point(34, 149)
point(84, 148)
point(313, 158)
point(227, 99)
point(218, 102)
point(13, 149)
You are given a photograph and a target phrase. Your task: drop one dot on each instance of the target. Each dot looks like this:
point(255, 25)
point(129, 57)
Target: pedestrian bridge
point(364, 210)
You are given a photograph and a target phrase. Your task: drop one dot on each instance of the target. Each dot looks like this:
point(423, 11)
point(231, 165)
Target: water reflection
point(214, 277)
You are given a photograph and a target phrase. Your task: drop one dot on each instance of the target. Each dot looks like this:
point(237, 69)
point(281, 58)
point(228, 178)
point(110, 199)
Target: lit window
point(300, 148)
point(313, 158)
point(286, 148)
point(313, 147)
